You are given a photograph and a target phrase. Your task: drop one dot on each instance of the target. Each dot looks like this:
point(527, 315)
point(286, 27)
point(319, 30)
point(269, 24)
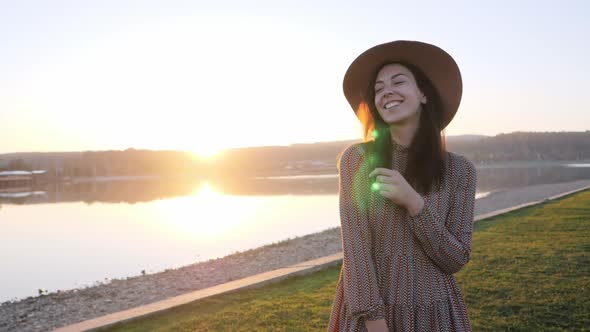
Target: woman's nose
point(388, 93)
point(388, 89)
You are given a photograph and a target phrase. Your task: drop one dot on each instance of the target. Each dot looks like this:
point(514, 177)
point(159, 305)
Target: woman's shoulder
point(352, 155)
point(460, 164)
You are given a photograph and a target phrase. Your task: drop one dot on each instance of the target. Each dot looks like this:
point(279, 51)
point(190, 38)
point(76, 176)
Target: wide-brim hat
point(438, 66)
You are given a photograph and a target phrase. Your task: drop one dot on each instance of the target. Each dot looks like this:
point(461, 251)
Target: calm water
point(68, 236)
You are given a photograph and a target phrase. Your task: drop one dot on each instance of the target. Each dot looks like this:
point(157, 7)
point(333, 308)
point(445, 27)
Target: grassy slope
point(529, 271)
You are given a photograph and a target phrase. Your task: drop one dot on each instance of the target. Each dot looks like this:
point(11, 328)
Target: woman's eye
point(399, 82)
point(378, 89)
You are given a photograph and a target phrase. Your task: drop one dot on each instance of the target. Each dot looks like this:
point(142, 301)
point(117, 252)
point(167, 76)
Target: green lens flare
point(375, 133)
point(375, 186)
point(361, 187)
point(373, 159)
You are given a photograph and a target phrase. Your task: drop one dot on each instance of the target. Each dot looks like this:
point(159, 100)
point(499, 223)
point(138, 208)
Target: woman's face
point(397, 96)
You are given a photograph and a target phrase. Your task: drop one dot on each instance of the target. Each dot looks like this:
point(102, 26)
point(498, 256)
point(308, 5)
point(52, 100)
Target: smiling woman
point(406, 204)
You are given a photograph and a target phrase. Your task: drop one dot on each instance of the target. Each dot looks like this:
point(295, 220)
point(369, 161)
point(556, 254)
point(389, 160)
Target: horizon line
point(269, 146)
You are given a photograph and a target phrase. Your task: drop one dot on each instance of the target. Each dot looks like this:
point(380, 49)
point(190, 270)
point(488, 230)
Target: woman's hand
point(391, 184)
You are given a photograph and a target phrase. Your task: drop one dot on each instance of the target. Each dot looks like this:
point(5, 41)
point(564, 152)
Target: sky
point(207, 75)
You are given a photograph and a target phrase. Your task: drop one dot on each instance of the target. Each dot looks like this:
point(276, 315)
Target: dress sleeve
point(361, 291)
point(449, 250)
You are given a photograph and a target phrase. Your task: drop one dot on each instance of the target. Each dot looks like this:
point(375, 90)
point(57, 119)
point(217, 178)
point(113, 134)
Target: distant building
point(14, 180)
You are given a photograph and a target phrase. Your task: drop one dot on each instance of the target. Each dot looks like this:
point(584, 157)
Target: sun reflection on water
point(208, 214)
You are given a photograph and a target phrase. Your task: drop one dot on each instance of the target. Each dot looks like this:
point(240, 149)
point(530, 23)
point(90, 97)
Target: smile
point(392, 104)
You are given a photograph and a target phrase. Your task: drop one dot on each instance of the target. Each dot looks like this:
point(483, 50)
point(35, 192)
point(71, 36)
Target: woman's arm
point(449, 250)
point(360, 279)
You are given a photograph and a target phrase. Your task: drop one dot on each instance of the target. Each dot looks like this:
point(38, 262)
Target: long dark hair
point(425, 164)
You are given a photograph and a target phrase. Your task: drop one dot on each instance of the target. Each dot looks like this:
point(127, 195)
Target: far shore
point(113, 178)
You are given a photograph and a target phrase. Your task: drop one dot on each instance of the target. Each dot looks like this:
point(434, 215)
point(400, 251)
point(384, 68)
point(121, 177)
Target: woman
point(406, 204)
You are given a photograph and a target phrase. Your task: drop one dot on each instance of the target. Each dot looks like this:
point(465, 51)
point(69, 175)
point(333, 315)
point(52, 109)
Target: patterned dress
point(400, 267)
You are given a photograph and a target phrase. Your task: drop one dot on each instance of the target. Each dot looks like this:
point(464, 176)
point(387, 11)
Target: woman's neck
point(404, 133)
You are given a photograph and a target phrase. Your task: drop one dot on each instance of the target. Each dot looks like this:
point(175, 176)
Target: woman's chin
point(394, 120)
point(400, 118)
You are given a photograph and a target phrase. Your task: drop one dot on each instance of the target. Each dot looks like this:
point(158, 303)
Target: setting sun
point(207, 152)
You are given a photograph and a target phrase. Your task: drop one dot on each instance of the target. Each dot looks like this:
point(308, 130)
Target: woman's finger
point(385, 193)
point(386, 186)
point(381, 171)
point(385, 179)
point(377, 186)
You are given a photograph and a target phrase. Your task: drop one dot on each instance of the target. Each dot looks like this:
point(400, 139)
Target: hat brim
point(440, 68)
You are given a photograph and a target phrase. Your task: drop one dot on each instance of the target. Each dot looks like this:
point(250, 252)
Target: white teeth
point(392, 104)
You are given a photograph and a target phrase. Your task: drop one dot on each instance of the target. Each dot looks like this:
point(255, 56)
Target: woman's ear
point(423, 100)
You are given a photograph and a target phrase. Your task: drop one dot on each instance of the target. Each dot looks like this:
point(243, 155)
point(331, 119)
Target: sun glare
point(207, 152)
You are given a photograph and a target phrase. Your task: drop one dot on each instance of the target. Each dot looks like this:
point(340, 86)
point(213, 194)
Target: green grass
point(529, 271)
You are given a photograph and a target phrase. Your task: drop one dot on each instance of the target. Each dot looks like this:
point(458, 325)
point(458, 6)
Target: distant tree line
point(272, 159)
point(106, 163)
point(527, 146)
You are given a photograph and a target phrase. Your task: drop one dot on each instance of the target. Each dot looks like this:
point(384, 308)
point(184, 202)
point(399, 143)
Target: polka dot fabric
point(400, 267)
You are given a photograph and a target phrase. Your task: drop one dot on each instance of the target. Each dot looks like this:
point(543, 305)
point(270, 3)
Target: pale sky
point(182, 75)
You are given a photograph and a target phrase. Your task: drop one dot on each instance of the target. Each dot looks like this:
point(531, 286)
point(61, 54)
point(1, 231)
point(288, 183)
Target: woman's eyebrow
point(392, 77)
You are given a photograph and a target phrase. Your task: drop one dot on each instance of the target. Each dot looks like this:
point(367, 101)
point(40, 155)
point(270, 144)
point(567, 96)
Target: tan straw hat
point(440, 68)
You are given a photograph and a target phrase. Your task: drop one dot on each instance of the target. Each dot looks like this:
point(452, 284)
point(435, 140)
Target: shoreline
point(58, 309)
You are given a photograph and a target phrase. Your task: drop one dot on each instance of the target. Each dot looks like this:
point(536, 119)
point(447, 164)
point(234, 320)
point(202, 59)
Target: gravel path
point(50, 311)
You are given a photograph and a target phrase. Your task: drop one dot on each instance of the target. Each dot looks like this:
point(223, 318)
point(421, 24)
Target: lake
point(65, 236)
